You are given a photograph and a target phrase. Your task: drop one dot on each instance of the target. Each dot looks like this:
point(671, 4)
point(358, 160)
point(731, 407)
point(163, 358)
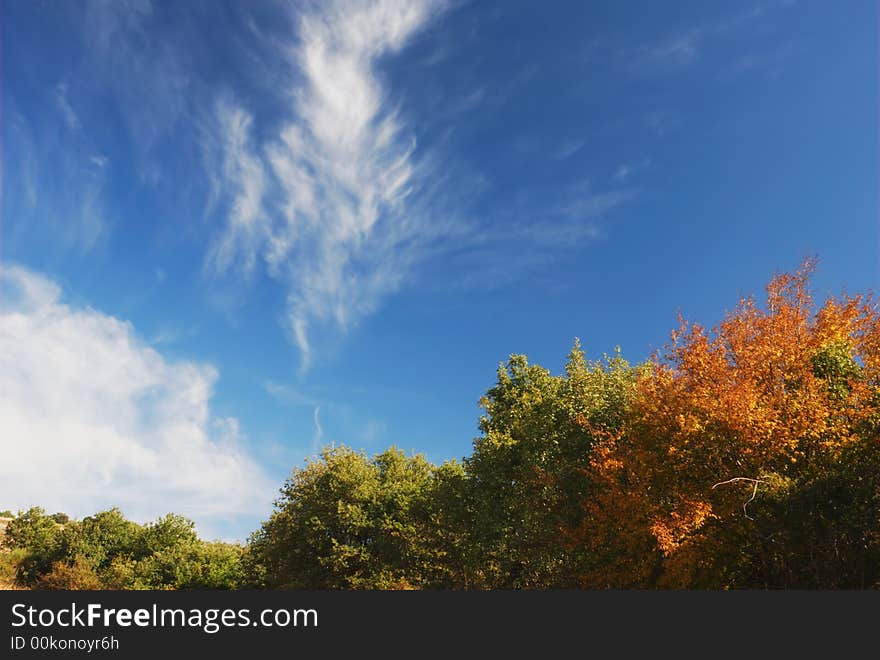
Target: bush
point(70, 576)
point(9, 565)
point(190, 565)
point(32, 530)
point(38, 536)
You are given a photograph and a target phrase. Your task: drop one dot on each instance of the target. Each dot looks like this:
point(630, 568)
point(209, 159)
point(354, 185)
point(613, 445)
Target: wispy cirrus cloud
point(341, 232)
point(684, 48)
point(57, 185)
point(240, 172)
point(64, 106)
point(319, 431)
point(536, 230)
point(625, 171)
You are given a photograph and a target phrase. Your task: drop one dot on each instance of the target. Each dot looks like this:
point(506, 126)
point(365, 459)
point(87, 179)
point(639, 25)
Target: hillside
point(7, 570)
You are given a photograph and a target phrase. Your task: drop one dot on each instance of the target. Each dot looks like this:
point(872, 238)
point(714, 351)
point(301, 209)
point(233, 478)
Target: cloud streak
point(684, 48)
point(340, 229)
point(319, 432)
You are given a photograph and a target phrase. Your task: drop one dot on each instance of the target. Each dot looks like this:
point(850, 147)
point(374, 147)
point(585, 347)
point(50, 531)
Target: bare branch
point(730, 481)
point(754, 490)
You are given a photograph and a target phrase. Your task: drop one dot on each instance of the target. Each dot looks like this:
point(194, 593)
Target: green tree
point(166, 532)
point(348, 521)
point(32, 530)
point(447, 520)
point(39, 536)
point(190, 564)
point(101, 537)
point(527, 471)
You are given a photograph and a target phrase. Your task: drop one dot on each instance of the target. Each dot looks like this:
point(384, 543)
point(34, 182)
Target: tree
point(31, 530)
point(348, 521)
point(166, 532)
point(447, 516)
point(36, 534)
point(101, 537)
point(751, 455)
point(527, 470)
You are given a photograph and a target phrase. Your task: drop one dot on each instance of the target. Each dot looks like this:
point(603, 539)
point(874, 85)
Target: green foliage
point(820, 530)
point(165, 533)
point(493, 521)
point(447, 516)
point(39, 536)
point(60, 518)
point(100, 538)
point(527, 471)
point(32, 530)
point(835, 364)
point(6, 513)
point(348, 521)
point(108, 551)
point(190, 564)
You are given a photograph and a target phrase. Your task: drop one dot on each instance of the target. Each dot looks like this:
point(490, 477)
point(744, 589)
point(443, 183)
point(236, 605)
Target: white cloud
point(569, 148)
point(319, 432)
point(65, 108)
point(343, 234)
point(92, 417)
point(625, 171)
point(679, 50)
point(289, 396)
point(241, 172)
point(686, 47)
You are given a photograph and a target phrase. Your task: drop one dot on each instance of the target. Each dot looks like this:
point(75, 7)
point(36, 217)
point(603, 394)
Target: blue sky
point(234, 232)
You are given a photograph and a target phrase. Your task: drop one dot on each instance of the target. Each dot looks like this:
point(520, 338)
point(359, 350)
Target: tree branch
point(754, 490)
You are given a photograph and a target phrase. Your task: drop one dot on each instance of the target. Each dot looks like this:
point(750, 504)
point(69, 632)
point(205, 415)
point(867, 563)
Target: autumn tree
point(750, 458)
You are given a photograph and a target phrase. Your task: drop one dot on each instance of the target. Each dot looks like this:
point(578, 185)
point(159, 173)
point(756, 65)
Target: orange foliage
point(765, 393)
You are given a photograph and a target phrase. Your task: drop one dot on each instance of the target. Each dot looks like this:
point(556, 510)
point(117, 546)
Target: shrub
point(70, 576)
point(191, 565)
